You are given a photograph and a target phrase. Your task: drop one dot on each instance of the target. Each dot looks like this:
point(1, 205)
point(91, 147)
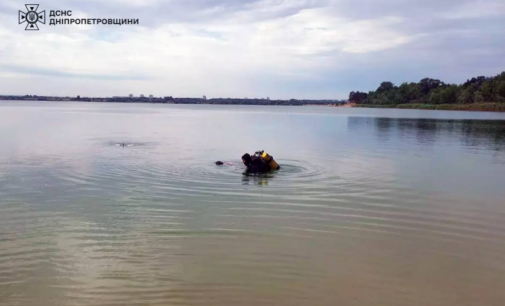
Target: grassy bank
point(483, 107)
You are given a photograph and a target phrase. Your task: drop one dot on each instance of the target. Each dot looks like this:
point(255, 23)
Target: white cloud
point(279, 44)
point(231, 54)
point(317, 31)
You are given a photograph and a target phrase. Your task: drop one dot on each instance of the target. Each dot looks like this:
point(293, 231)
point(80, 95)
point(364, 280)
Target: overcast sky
point(222, 48)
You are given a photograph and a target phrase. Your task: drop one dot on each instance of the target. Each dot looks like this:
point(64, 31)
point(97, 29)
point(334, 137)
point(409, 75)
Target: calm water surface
point(371, 207)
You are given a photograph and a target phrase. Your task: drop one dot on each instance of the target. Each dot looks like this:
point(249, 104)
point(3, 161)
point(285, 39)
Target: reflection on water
point(257, 178)
point(291, 170)
point(370, 207)
point(489, 134)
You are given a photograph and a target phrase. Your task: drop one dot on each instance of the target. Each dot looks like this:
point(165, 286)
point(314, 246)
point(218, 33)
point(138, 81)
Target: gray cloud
point(62, 74)
point(288, 48)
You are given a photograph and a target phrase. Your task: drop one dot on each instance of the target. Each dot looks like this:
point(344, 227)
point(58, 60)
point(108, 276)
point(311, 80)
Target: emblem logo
point(32, 17)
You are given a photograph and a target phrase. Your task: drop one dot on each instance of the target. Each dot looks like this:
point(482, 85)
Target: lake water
point(371, 206)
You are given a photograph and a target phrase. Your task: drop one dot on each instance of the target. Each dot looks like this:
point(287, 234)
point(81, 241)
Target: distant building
point(142, 96)
point(151, 96)
point(204, 98)
point(131, 96)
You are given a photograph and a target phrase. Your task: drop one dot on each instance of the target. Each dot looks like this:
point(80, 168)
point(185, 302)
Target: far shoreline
point(176, 100)
point(474, 107)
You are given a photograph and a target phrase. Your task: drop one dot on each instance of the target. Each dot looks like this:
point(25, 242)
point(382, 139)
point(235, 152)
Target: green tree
point(478, 97)
point(435, 96)
point(385, 86)
point(449, 95)
point(501, 89)
point(478, 89)
point(428, 85)
point(394, 97)
point(501, 76)
point(357, 97)
point(487, 91)
point(464, 96)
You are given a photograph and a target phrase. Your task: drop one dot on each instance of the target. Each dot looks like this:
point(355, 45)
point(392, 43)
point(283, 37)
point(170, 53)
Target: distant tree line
point(431, 91)
point(235, 101)
point(172, 100)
